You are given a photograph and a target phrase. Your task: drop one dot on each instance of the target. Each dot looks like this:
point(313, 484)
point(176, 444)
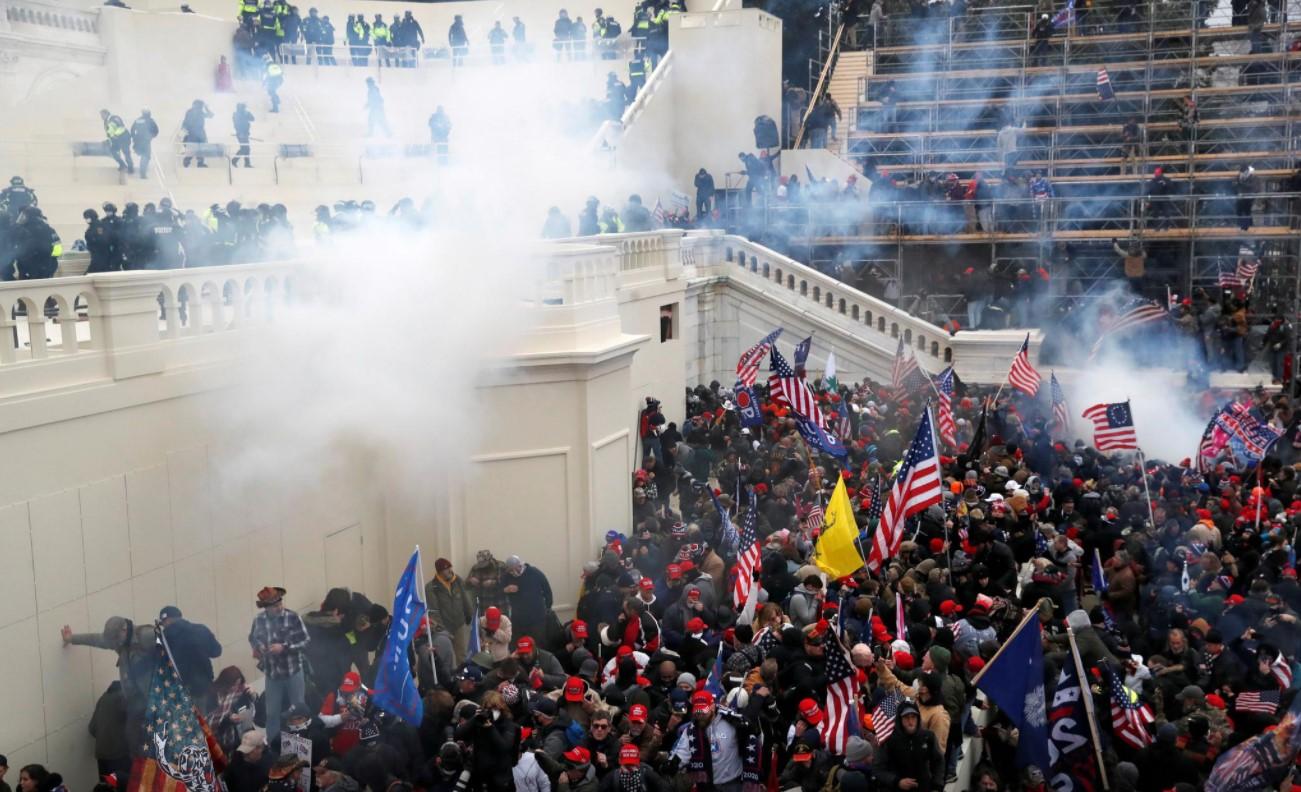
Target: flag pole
point(1031, 613)
point(429, 628)
point(1087, 695)
point(1142, 461)
point(1260, 496)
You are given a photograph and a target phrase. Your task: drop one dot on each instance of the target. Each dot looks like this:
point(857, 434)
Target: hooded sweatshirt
point(917, 756)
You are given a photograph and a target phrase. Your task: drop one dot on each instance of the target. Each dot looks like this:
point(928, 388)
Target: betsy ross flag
point(786, 387)
point(1105, 91)
point(1061, 415)
point(842, 705)
point(948, 428)
point(177, 755)
point(748, 554)
point(747, 367)
point(916, 487)
point(1113, 426)
point(1129, 715)
point(1022, 375)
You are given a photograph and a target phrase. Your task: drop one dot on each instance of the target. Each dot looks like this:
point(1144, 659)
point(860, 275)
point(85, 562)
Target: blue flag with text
point(395, 690)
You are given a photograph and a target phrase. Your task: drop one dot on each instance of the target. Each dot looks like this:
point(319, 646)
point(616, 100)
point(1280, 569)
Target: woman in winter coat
point(495, 741)
point(231, 705)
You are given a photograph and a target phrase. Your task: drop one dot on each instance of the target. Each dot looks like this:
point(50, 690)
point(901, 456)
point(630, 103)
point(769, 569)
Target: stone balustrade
point(40, 18)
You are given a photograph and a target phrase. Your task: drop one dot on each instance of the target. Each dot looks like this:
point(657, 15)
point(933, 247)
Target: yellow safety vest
point(114, 129)
point(248, 7)
point(57, 250)
point(380, 34)
point(274, 70)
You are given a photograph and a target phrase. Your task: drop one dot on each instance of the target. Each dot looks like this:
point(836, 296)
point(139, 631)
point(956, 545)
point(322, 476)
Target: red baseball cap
point(693, 594)
point(574, 689)
point(525, 644)
point(624, 651)
point(696, 625)
point(629, 756)
point(492, 617)
point(351, 682)
point(701, 700)
point(646, 584)
point(638, 713)
point(579, 628)
point(810, 711)
point(674, 572)
point(578, 755)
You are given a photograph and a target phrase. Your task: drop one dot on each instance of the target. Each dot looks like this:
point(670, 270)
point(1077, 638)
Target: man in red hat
point(632, 775)
point(540, 666)
point(278, 638)
point(494, 633)
point(348, 711)
point(710, 748)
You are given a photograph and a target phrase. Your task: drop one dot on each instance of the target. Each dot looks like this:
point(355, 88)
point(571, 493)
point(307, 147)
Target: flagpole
point(1142, 461)
point(1087, 694)
point(429, 628)
point(1260, 494)
point(1030, 614)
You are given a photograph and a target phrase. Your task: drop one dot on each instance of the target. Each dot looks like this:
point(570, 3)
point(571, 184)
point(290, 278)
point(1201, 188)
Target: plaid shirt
point(278, 628)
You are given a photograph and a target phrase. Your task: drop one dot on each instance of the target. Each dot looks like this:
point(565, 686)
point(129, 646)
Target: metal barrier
point(375, 60)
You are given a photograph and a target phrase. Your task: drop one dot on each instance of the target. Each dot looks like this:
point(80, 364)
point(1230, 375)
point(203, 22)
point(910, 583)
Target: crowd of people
point(662, 680)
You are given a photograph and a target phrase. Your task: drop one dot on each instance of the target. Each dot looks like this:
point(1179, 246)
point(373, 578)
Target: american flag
point(842, 705)
point(877, 505)
point(1022, 376)
point(785, 387)
point(883, 716)
point(812, 517)
point(660, 216)
point(178, 754)
point(727, 529)
point(750, 552)
point(747, 368)
point(1140, 313)
point(1113, 426)
point(900, 623)
point(1282, 671)
point(1061, 418)
point(1244, 273)
point(767, 640)
point(906, 373)
point(916, 486)
point(1129, 715)
point(948, 428)
point(1264, 702)
point(1105, 91)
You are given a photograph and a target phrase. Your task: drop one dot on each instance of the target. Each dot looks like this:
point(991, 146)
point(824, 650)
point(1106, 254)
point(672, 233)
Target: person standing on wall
point(143, 131)
point(458, 40)
point(704, 193)
point(497, 43)
point(278, 639)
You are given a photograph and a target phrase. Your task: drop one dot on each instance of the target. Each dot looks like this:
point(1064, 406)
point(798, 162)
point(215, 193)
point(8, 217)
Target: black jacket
point(529, 605)
point(193, 647)
point(917, 756)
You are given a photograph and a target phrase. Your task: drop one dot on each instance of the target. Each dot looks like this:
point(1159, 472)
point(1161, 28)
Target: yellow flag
point(837, 549)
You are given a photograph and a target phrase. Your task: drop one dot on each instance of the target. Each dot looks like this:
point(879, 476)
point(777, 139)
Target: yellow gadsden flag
point(837, 550)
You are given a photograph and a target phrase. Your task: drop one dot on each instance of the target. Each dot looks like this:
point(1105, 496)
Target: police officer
point(110, 226)
point(636, 76)
point(16, 197)
point(248, 10)
point(269, 29)
point(143, 131)
point(36, 247)
point(321, 226)
point(273, 76)
point(313, 33)
point(98, 243)
point(440, 129)
point(166, 243)
point(119, 140)
point(610, 222)
point(131, 240)
point(458, 40)
point(382, 38)
point(195, 130)
point(243, 121)
point(327, 42)
point(497, 43)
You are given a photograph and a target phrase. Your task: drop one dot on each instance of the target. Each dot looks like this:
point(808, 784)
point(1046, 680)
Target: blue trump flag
point(1099, 579)
point(747, 405)
point(818, 437)
point(395, 690)
point(1014, 680)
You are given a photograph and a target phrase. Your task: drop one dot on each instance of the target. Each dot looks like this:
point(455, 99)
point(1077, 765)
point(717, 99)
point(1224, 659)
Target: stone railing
point(576, 274)
point(33, 16)
point(646, 256)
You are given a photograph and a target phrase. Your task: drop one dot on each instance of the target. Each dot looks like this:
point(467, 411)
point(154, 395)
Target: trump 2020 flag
point(1099, 579)
point(747, 405)
point(1014, 680)
point(395, 690)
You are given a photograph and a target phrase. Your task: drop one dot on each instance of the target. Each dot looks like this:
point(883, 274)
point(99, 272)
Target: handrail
point(832, 57)
point(608, 134)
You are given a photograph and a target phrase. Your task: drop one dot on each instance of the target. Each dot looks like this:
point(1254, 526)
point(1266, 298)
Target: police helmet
point(368, 206)
point(166, 203)
point(89, 214)
point(16, 181)
point(109, 208)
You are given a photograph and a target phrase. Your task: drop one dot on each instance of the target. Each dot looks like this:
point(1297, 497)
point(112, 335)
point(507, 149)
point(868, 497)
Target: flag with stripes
point(1244, 273)
point(1139, 314)
point(900, 621)
point(1129, 715)
point(877, 505)
point(1237, 428)
point(748, 559)
point(660, 216)
point(1282, 671)
point(916, 487)
point(728, 538)
point(786, 387)
point(883, 715)
point(947, 426)
point(1113, 426)
point(1105, 91)
point(1264, 702)
point(747, 368)
point(1061, 415)
point(842, 704)
point(1022, 375)
point(767, 640)
point(906, 375)
point(811, 516)
point(175, 756)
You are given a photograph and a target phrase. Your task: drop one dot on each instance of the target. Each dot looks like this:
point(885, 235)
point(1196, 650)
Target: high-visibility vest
point(114, 129)
point(57, 249)
point(636, 68)
point(210, 220)
point(379, 33)
point(248, 7)
point(359, 29)
point(274, 70)
point(321, 230)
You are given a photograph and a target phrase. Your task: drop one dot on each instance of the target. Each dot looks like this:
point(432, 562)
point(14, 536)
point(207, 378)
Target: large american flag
point(1129, 715)
point(916, 486)
point(1264, 702)
point(747, 368)
point(842, 705)
point(877, 505)
point(811, 516)
point(1061, 418)
point(948, 428)
point(749, 553)
point(1244, 273)
point(786, 387)
point(1138, 314)
point(906, 375)
point(1113, 426)
point(883, 716)
point(1022, 376)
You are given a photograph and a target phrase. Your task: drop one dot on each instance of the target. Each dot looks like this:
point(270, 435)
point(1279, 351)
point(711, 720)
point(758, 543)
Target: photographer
point(494, 742)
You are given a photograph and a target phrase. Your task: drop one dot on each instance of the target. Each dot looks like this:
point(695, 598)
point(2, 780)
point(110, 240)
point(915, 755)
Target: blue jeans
point(281, 694)
point(975, 312)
